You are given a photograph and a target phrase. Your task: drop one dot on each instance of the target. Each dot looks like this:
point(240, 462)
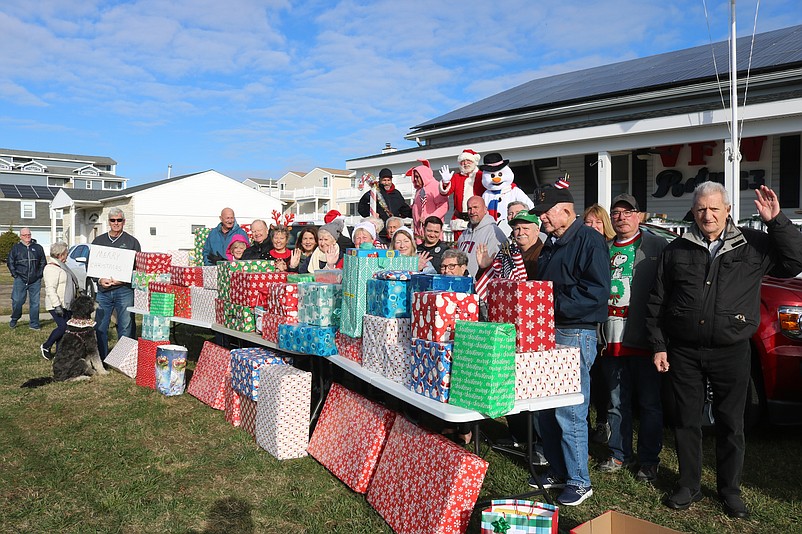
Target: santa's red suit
point(463, 187)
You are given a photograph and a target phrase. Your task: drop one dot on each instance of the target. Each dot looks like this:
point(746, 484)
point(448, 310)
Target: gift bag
point(513, 516)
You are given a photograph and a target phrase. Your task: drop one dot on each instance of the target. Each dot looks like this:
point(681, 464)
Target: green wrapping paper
point(200, 239)
point(226, 268)
point(483, 367)
point(162, 304)
point(297, 278)
point(358, 267)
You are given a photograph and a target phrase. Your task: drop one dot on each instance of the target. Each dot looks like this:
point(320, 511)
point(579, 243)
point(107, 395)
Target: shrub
point(7, 240)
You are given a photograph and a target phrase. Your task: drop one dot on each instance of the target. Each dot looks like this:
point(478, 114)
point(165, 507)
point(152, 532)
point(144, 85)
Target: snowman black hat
point(493, 162)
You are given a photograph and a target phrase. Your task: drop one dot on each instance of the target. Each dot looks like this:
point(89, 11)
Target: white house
point(163, 214)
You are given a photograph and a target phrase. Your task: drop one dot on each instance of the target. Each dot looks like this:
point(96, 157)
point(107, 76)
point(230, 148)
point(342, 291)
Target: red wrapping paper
point(152, 262)
point(527, 305)
point(434, 313)
point(208, 383)
point(146, 362)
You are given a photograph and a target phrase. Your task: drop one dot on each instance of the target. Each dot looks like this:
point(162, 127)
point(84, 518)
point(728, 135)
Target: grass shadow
point(228, 515)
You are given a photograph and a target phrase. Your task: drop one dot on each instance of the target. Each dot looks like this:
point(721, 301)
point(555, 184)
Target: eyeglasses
point(25, 235)
point(448, 266)
point(622, 213)
point(116, 220)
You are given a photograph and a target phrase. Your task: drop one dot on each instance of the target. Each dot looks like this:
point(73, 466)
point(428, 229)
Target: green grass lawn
point(108, 456)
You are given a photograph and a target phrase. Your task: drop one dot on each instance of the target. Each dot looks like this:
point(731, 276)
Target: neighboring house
point(310, 195)
point(162, 214)
point(265, 185)
point(652, 126)
point(30, 180)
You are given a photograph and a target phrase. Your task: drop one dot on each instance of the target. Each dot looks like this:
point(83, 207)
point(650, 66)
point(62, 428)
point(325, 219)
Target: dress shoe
point(734, 506)
point(683, 498)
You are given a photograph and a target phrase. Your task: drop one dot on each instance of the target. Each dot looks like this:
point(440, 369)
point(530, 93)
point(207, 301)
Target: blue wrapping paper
point(171, 362)
point(393, 275)
point(431, 369)
point(440, 282)
point(155, 327)
point(388, 298)
point(309, 339)
point(245, 366)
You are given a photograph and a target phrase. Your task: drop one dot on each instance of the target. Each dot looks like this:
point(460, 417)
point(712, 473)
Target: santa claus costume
point(462, 186)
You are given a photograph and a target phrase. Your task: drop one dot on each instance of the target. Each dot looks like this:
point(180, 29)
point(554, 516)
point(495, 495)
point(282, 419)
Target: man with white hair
point(26, 261)
point(463, 184)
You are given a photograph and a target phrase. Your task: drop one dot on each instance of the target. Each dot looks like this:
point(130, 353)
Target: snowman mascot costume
point(497, 179)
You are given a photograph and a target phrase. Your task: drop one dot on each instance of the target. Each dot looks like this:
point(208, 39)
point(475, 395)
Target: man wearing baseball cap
point(626, 364)
point(576, 260)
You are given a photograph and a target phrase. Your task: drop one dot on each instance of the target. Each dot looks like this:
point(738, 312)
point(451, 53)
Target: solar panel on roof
point(42, 191)
point(10, 191)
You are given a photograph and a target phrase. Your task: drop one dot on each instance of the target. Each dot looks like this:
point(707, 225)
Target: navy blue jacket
point(27, 262)
point(578, 264)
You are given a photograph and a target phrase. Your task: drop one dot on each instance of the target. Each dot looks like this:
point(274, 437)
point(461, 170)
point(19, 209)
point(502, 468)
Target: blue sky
point(254, 88)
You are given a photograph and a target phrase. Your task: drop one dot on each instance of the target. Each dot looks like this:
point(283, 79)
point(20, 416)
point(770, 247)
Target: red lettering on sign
point(751, 147)
point(669, 154)
point(701, 150)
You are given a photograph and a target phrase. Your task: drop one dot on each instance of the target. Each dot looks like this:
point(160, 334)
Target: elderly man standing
point(703, 309)
point(576, 260)
point(481, 230)
point(260, 249)
point(216, 245)
point(26, 261)
point(627, 362)
point(114, 295)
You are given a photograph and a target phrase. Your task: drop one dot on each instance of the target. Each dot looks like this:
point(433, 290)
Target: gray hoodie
point(485, 232)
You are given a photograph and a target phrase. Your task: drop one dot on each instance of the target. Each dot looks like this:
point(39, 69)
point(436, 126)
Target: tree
point(7, 240)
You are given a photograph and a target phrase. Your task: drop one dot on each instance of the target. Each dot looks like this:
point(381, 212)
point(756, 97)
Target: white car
point(77, 260)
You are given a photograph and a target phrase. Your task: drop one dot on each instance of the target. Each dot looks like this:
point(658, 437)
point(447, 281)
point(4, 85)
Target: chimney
point(388, 148)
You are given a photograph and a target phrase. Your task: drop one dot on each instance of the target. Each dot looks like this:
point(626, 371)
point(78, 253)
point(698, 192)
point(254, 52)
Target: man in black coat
point(26, 261)
point(261, 246)
point(704, 307)
point(390, 202)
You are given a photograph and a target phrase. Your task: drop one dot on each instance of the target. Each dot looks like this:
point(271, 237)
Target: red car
point(775, 390)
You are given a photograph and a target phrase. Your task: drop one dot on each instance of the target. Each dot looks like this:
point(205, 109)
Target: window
point(325, 181)
point(89, 184)
point(152, 230)
point(58, 214)
point(28, 209)
point(113, 185)
point(57, 182)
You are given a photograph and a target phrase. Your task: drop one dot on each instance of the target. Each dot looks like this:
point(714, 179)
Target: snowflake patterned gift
point(152, 262)
point(424, 483)
point(123, 356)
point(434, 313)
point(388, 298)
point(232, 412)
point(203, 304)
point(208, 383)
point(186, 276)
point(386, 347)
point(349, 347)
point(349, 436)
point(146, 362)
point(283, 411)
point(209, 276)
point(527, 305)
point(280, 298)
point(483, 367)
point(430, 373)
point(246, 288)
point(270, 324)
point(440, 282)
point(245, 368)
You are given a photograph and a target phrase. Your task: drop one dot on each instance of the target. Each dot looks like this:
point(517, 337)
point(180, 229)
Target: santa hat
point(331, 215)
point(469, 154)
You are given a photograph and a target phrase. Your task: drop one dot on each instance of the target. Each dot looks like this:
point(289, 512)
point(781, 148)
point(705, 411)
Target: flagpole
point(734, 154)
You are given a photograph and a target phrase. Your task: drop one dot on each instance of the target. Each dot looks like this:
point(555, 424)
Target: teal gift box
point(441, 282)
point(319, 304)
point(308, 339)
point(155, 327)
point(388, 298)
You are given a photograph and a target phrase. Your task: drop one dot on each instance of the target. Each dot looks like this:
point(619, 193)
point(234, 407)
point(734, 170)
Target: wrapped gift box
point(298, 278)
point(308, 339)
point(141, 280)
point(386, 347)
point(424, 483)
point(258, 319)
point(527, 305)
point(171, 362)
point(483, 367)
point(280, 298)
point(203, 304)
point(182, 300)
point(152, 262)
point(359, 265)
point(208, 383)
point(123, 356)
point(209, 273)
point(270, 324)
point(388, 298)
point(319, 304)
point(349, 436)
point(329, 276)
point(246, 365)
point(201, 234)
point(186, 276)
point(226, 268)
point(141, 299)
point(219, 311)
point(434, 313)
point(246, 287)
point(155, 327)
point(232, 412)
point(349, 347)
point(179, 258)
point(146, 362)
point(247, 412)
point(431, 369)
point(283, 411)
point(550, 372)
point(237, 317)
point(161, 304)
point(441, 282)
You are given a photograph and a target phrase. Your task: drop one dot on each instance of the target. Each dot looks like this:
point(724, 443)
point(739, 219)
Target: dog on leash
point(77, 357)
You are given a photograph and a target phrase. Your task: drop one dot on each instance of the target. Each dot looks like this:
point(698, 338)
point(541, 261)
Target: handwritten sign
point(110, 262)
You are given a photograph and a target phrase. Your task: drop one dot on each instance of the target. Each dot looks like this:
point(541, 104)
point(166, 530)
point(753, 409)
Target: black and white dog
point(77, 357)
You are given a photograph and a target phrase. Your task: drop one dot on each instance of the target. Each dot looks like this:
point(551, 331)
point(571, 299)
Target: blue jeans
point(58, 332)
point(625, 375)
point(565, 430)
point(115, 300)
point(18, 293)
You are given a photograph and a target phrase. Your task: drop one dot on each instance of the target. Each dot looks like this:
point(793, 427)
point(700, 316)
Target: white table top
point(184, 320)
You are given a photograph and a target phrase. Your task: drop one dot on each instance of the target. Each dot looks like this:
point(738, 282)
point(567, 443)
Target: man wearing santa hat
point(463, 184)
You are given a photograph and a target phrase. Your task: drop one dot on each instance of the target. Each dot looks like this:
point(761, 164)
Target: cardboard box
point(612, 522)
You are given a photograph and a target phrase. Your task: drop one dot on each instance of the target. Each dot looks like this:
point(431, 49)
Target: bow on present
point(500, 525)
point(283, 220)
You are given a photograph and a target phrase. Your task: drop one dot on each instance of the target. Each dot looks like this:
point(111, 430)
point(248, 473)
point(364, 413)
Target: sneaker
point(538, 460)
point(574, 495)
point(547, 481)
point(46, 354)
point(611, 465)
point(35, 327)
point(12, 324)
point(601, 434)
point(647, 473)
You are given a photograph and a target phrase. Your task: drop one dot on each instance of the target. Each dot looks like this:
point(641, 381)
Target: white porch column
point(732, 180)
point(72, 224)
point(605, 179)
point(52, 223)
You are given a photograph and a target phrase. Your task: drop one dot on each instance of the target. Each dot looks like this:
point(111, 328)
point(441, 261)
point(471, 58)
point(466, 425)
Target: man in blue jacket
point(26, 261)
point(576, 260)
point(216, 245)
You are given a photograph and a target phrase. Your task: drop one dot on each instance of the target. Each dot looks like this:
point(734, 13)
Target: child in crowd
point(237, 248)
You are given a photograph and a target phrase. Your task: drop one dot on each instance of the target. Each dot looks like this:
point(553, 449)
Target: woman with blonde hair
point(61, 287)
point(597, 218)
